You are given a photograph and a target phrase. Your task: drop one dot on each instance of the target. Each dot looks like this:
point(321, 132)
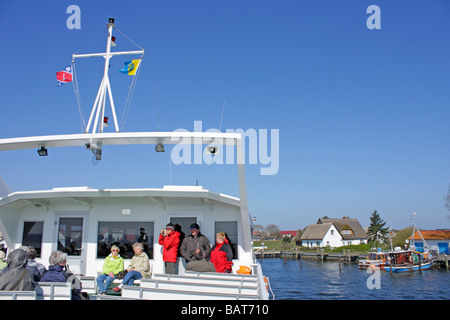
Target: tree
point(401, 236)
point(376, 229)
point(273, 231)
point(259, 232)
point(447, 201)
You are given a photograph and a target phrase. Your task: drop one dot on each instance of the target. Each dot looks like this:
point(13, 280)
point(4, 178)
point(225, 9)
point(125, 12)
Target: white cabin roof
point(88, 192)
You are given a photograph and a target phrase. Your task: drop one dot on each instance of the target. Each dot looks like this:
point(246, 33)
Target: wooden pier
point(442, 260)
point(320, 255)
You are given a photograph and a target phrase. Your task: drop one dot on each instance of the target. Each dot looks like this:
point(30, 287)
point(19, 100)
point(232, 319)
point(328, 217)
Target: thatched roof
point(344, 225)
point(316, 231)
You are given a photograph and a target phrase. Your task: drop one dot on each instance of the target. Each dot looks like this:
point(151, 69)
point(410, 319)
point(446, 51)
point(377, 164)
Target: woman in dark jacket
point(57, 272)
point(221, 254)
point(17, 277)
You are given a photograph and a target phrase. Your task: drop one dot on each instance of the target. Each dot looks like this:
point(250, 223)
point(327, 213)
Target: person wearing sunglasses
point(111, 267)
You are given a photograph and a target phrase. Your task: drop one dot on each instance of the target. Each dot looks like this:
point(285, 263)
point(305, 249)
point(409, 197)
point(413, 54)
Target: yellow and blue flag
point(131, 67)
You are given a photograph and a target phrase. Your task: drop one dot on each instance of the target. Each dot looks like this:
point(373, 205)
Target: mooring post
point(301, 261)
point(390, 266)
point(420, 262)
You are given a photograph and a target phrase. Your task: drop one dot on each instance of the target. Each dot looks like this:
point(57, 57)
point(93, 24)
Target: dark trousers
point(170, 267)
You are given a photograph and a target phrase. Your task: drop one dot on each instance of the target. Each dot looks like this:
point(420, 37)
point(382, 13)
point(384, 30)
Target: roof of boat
point(170, 191)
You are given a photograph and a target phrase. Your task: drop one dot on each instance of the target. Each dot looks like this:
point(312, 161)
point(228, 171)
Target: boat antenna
point(159, 105)
point(221, 117)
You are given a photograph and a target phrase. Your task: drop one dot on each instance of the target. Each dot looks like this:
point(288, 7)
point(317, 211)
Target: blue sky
point(363, 115)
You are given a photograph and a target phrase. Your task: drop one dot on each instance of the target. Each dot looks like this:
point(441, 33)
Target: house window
point(230, 228)
point(332, 232)
point(124, 235)
point(347, 232)
point(32, 235)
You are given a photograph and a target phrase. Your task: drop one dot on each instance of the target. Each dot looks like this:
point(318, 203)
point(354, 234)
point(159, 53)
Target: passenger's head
point(17, 259)
point(220, 237)
point(195, 229)
point(57, 258)
point(138, 248)
point(115, 250)
point(32, 253)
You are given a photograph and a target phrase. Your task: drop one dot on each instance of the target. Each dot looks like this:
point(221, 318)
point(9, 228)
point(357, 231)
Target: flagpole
point(105, 74)
point(98, 109)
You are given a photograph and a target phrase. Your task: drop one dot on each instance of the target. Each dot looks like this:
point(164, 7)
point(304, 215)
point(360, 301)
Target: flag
point(113, 41)
point(131, 67)
point(64, 76)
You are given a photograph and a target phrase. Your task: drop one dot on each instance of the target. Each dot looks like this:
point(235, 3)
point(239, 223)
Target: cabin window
point(231, 229)
point(124, 235)
point(32, 235)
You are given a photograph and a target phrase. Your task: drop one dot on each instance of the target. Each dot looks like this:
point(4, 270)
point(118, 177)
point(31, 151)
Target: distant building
point(333, 233)
point(291, 234)
point(438, 240)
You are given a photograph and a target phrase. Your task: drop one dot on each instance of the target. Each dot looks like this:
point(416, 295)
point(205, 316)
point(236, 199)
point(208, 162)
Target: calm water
point(323, 280)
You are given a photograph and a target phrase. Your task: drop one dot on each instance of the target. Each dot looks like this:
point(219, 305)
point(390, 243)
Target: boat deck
point(191, 286)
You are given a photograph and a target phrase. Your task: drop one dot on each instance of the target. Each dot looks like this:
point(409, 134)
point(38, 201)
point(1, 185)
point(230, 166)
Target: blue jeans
point(103, 285)
point(128, 280)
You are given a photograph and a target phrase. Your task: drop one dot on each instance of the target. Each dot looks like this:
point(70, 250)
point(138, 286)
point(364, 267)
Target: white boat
point(84, 221)
point(374, 260)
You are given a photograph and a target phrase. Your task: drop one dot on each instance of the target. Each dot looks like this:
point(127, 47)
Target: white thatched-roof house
point(334, 233)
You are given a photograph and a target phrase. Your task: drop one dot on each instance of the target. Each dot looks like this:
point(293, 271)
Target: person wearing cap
point(169, 239)
point(195, 246)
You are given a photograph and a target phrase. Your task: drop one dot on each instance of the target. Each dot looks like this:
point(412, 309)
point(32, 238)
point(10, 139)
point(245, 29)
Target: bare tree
point(447, 202)
point(273, 231)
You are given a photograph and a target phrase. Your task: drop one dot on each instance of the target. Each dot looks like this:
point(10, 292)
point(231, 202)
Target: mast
point(98, 109)
point(418, 231)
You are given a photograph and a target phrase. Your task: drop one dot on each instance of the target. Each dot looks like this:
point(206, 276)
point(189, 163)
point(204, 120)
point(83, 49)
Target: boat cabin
point(85, 222)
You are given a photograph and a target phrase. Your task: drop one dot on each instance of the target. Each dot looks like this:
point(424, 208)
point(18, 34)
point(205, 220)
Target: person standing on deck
point(170, 240)
point(195, 246)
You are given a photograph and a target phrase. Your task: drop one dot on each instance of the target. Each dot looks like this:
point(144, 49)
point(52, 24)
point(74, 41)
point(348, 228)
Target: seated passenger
point(17, 277)
point(59, 272)
point(139, 267)
point(111, 267)
point(2, 260)
point(221, 254)
point(38, 269)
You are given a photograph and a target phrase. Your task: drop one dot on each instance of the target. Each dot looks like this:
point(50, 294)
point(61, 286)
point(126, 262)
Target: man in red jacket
point(169, 239)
